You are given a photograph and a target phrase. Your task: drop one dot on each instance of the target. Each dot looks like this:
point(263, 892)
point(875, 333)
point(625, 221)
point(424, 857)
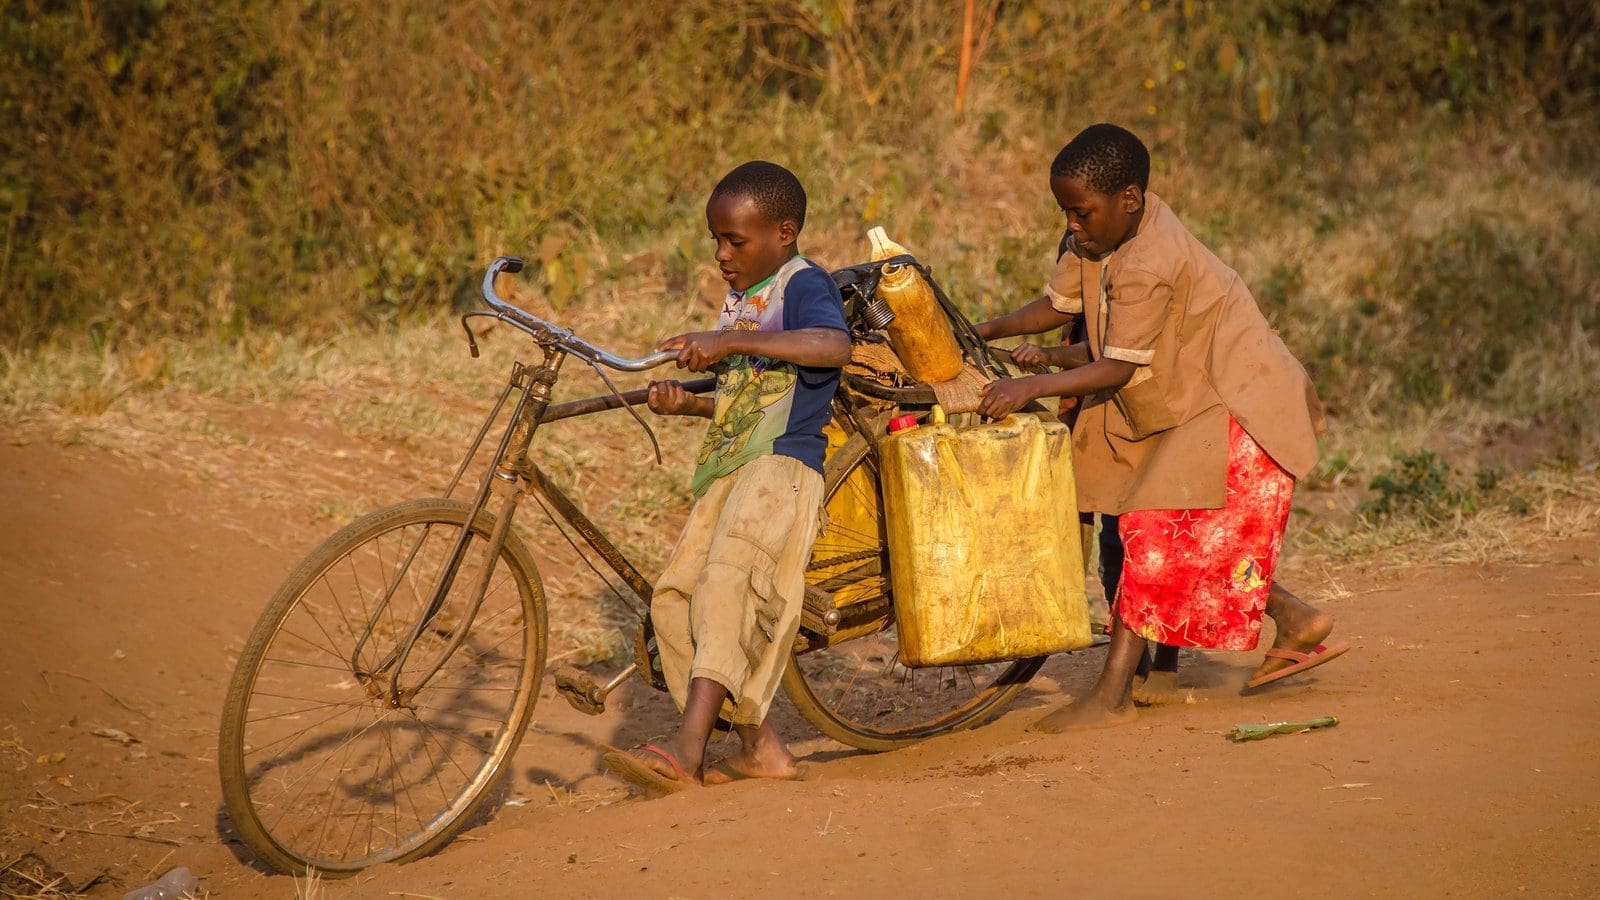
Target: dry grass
point(1560, 504)
point(30, 876)
point(310, 886)
point(42, 820)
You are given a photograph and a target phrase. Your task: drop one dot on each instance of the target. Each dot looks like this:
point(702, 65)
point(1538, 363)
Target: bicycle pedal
point(579, 689)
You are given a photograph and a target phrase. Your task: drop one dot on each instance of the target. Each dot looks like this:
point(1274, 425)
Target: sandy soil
point(1464, 763)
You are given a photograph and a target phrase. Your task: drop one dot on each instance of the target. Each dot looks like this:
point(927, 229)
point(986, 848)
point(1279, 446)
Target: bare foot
point(762, 754)
point(1158, 689)
point(744, 765)
point(1083, 715)
point(727, 771)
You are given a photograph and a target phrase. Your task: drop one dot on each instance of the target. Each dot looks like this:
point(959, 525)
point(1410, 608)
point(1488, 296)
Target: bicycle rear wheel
point(851, 685)
point(318, 769)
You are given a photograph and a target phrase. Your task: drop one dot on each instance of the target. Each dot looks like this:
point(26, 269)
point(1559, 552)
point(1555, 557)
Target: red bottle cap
point(901, 423)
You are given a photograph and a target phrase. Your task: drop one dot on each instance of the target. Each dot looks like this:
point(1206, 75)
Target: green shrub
point(1424, 487)
point(1418, 485)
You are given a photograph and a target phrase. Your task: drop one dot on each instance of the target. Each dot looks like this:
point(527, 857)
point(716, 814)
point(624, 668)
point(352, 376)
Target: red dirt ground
point(1464, 763)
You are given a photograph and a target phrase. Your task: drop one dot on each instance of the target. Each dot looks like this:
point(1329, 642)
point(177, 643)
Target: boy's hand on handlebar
point(698, 350)
point(668, 398)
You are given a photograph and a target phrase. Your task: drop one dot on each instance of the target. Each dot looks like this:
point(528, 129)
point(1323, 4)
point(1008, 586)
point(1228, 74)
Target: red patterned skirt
point(1200, 577)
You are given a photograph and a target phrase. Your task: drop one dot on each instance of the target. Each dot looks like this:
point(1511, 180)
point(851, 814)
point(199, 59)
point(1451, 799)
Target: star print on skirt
point(1200, 577)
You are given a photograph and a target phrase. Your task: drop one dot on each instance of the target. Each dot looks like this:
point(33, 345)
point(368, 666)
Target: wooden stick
point(132, 837)
point(151, 872)
point(46, 673)
point(964, 68)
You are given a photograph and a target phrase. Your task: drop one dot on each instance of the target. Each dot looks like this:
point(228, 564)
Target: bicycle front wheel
point(851, 685)
point(319, 769)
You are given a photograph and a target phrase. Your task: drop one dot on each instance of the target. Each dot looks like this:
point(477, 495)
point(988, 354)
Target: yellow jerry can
point(985, 557)
point(852, 534)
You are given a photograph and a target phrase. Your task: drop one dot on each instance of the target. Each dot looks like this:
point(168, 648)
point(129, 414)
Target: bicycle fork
point(501, 488)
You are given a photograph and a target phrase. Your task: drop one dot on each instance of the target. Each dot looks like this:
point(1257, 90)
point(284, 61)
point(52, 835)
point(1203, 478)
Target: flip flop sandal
point(1303, 660)
point(638, 773)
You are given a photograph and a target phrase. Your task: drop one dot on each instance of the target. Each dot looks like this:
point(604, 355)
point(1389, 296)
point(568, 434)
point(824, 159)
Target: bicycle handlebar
point(547, 332)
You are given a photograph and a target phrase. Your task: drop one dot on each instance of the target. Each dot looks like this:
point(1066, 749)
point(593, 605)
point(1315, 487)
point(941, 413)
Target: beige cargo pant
point(728, 605)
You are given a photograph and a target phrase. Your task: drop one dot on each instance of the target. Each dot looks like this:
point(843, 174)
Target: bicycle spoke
point(428, 733)
point(296, 712)
point(344, 751)
point(433, 769)
point(394, 795)
point(326, 648)
point(416, 815)
point(371, 809)
point(309, 699)
point(344, 746)
point(308, 665)
point(250, 751)
point(304, 781)
point(384, 602)
point(456, 712)
point(352, 629)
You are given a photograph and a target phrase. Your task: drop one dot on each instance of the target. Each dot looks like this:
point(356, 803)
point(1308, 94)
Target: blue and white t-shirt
point(766, 405)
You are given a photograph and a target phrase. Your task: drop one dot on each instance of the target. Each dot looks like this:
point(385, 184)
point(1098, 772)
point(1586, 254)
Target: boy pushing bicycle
point(727, 607)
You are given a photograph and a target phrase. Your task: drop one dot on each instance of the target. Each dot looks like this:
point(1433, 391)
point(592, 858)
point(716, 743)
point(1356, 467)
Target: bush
point(1472, 295)
point(1424, 487)
point(213, 171)
point(1418, 485)
point(183, 168)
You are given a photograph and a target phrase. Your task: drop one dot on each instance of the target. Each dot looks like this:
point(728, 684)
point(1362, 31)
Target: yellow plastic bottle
point(920, 333)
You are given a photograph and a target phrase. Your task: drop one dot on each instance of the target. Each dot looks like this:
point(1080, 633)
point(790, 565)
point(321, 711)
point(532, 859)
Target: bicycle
point(378, 700)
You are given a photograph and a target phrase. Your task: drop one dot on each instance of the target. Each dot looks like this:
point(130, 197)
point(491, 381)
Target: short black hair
point(1106, 157)
point(775, 190)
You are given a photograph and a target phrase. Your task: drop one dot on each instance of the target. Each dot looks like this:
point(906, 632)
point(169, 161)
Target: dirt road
point(1464, 764)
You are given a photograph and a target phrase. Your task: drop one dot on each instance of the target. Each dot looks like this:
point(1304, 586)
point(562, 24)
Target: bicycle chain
point(841, 559)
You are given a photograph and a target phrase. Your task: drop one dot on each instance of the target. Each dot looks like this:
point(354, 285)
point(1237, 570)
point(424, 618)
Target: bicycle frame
point(508, 477)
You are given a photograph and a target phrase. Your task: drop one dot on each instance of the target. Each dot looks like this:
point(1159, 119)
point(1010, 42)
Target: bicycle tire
point(832, 688)
point(442, 760)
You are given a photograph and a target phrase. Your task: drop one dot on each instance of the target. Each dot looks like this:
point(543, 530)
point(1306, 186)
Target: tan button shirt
point(1165, 303)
